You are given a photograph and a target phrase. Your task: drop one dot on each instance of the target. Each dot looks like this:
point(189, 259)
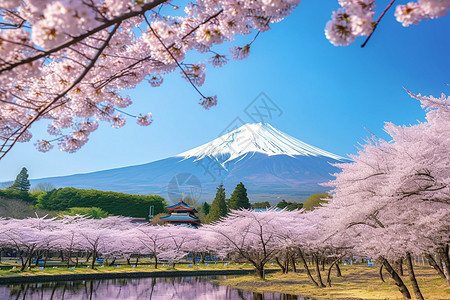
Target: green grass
point(357, 282)
point(60, 270)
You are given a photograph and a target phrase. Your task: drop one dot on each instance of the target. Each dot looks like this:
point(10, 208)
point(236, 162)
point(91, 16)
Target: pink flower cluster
point(352, 20)
point(413, 12)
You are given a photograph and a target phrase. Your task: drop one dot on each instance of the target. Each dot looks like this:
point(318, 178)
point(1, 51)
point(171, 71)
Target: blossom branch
point(174, 58)
point(21, 130)
point(81, 37)
point(375, 24)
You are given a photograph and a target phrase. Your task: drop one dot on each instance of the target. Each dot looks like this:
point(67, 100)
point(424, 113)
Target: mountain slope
point(272, 165)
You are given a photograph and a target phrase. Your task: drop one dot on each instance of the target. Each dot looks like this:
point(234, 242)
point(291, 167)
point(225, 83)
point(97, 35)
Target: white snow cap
point(257, 137)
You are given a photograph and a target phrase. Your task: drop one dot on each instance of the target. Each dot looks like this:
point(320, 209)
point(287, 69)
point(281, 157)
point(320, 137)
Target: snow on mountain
point(258, 137)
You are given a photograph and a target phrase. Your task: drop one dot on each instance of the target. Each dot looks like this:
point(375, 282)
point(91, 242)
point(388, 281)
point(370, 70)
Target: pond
point(165, 288)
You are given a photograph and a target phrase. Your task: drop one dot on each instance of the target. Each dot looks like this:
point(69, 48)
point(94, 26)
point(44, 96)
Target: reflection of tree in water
point(143, 288)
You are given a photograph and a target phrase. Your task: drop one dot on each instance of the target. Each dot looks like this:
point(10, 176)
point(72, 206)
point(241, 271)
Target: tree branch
point(81, 37)
point(377, 21)
point(20, 131)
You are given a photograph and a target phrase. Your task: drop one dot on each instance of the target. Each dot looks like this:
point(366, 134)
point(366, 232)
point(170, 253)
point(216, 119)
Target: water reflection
point(176, 288)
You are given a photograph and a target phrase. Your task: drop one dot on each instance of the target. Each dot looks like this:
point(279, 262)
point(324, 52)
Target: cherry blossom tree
point(394, 197)
point(68, 61)
point(255, 236)
point(151, 240)
point(178, 244)
point(28, 236)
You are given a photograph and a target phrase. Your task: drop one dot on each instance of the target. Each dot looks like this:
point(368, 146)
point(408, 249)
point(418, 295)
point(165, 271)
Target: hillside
point(24, 204)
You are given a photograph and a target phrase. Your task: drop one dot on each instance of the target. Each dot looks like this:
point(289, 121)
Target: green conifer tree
point(205, 208)
point(218, 207)
point(21, 183)
point(239, 198)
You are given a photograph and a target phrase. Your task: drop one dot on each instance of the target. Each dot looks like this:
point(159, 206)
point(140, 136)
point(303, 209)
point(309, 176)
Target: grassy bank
point(122, 269)
point(357, 282)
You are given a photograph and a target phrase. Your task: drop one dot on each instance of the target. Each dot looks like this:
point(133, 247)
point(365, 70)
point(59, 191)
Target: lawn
point(358, 281)
point(123, 268)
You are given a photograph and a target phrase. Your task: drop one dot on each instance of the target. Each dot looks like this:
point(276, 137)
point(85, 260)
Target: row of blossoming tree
point(68, 61)
point(390, 203)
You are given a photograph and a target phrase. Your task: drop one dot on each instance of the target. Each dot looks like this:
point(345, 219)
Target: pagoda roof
point(180, 218)
point(181, 206)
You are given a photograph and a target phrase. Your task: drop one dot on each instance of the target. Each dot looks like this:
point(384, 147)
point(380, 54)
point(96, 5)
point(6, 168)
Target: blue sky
point(327, 94)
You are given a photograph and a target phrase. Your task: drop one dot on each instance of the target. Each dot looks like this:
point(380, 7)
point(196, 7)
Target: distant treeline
point(112, 202)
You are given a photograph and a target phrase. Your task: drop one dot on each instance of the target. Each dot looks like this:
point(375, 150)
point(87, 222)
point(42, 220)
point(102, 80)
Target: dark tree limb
point(380, 272)
point(375, 24)
point(412, 277)
point(443, 253)
point(305, 265)
point(397, 279)
point(435, 265)
point(338, 270)
point(319, 276)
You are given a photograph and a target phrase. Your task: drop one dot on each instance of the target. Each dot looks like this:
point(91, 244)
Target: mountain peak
point(255, 137)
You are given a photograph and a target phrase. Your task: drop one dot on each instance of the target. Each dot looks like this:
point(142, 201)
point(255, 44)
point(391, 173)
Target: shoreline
point(118, 275)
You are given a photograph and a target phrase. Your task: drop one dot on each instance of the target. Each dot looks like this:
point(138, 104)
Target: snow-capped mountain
point(255, 138)
point(272, 164)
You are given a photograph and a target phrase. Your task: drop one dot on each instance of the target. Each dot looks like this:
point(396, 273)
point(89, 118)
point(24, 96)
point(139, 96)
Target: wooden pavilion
point(182, 214)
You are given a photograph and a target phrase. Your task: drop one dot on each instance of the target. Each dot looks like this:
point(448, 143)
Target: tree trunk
point(1, 254)
point(156, 262)
point(294, 267)
point(283, 269)
point(399, 266)
point(323, 263)
point(137, 261)
point(305, 265)
point(398, 281)
point(76, 264)
point(335, 262)
point(88, 257)
point(21, 258)
point(45, 259)
point(329, 275)
point(338, 270)
point(319, 276)
point(62, 255)
point(113, 261)
point(412, 277)
point(68, 259)
point(94, 256)
point(381, 273)
point(37, 259)
point(28, 260)
point(259, 270)
point(128, 260)
point(193, 259)
point(439, 262)
point(443, 253)
point(203, 257)
point(434, 264)
point(286, 264)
